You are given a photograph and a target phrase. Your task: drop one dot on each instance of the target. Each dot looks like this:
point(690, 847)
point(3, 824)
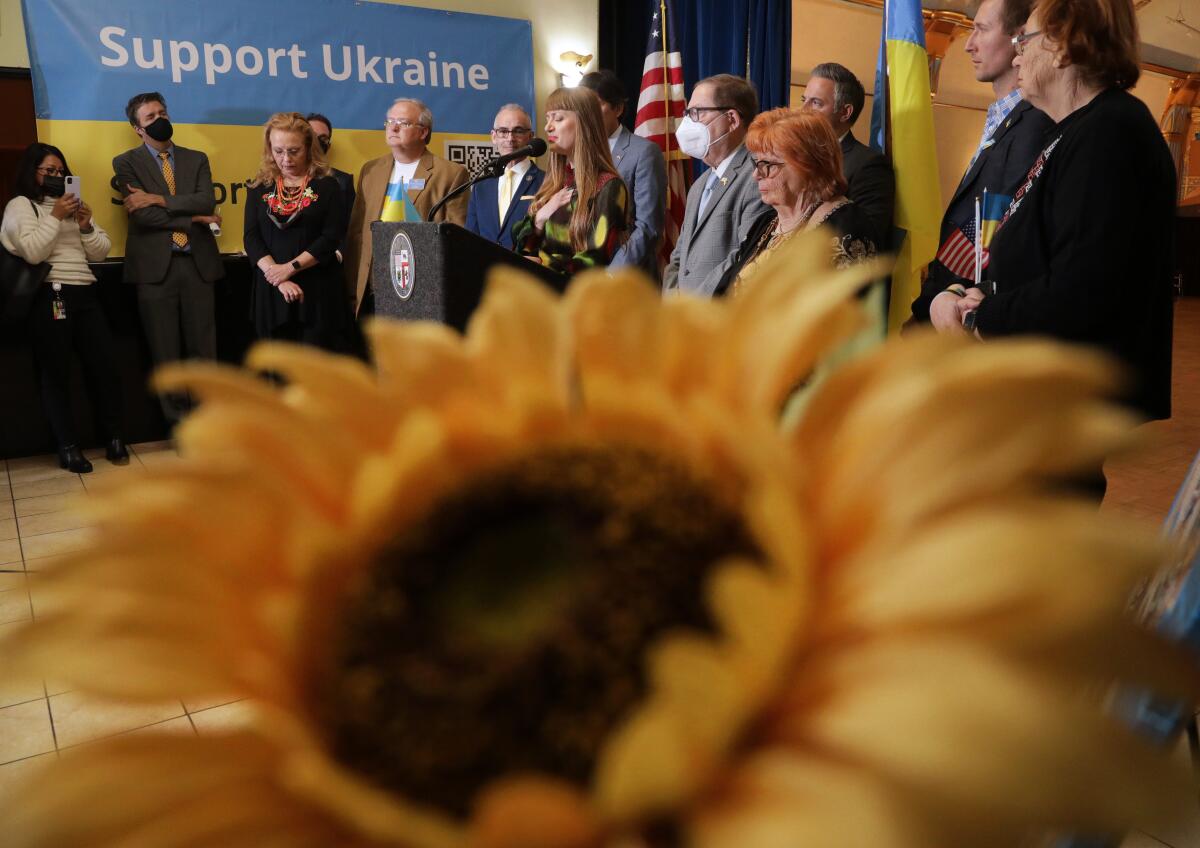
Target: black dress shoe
point(72, 459)
point(117, 453)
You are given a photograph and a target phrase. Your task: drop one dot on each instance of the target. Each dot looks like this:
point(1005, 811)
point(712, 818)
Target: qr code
point(474, 155)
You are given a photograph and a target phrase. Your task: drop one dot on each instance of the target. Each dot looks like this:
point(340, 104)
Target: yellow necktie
point(505, 193)
point(179, 238)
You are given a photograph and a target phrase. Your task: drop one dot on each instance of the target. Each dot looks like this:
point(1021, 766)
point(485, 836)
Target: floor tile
point(8, 528)
point(25, 731)
point(53, 522)
point(1137, 839)
point(54, 486)
point(208, 703)
point(7, 508)
point(10, 552)
point(100, 465)
point(219, 719)
point(49, 471)
point(181, 725)
point(152, 447)
point(51, 544)
point(80, 718)
point(12, 580)
point(14, 606)
point(41, 563)
point(16, 773)
point(43, 503)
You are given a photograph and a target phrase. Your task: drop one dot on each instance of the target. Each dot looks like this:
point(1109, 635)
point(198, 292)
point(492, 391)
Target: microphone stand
point(490, 172)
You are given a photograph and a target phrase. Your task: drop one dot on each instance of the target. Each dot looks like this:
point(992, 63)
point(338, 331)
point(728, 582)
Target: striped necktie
point(180, 239)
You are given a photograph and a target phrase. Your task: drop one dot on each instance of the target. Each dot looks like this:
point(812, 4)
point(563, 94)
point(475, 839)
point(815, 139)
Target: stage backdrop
point(224, 66)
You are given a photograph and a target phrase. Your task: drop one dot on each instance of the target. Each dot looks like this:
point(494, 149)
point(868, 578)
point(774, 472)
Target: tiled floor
point(40, 723)
point(37, 523)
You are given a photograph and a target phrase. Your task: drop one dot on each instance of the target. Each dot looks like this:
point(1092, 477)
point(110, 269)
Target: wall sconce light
point(575, 63)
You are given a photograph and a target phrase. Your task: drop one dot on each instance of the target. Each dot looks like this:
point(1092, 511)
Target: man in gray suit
point(641, 165)
point(723, 203)
point(170, 253)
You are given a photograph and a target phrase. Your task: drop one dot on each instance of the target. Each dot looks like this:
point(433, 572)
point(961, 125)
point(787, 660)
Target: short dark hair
point(607, 85)
point(138, 100)
point(317, 116)
point(847, 90)
point(25, 178)
point(1014, 14)
point(735, 92)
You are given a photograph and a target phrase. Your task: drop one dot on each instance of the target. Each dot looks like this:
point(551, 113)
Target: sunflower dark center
point(507, 631)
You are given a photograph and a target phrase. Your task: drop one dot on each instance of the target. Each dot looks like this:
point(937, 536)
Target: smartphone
point(74, 186)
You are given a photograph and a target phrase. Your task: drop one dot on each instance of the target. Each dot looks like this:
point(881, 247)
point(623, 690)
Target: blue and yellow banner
point(906, 103)
point(224, 66)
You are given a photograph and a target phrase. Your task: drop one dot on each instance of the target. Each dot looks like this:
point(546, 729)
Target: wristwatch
point(969, 321)
point(296, 265)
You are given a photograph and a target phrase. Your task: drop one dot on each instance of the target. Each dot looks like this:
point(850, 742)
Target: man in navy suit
point(1013, 136)
point(496, 205)
point(641, 165)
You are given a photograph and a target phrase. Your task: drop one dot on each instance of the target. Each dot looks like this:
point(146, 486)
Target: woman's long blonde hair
point(268, 171)
point(591, 158)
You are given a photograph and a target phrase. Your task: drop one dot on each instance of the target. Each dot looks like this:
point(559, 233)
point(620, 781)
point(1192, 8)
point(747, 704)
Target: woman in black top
point(798, 168)
point(1085, 252)
point(295, 218)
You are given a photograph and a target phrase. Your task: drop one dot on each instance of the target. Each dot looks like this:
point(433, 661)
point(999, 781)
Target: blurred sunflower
point(564, 581)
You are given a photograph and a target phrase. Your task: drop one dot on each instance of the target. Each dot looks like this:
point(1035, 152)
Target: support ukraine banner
point(224, 66)
point(902, 127)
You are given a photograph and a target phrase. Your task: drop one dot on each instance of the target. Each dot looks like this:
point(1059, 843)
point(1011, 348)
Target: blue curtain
point(769, 24)
point(715, 37)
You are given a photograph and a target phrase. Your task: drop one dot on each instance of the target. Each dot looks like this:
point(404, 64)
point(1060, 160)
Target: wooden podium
point(436, 272)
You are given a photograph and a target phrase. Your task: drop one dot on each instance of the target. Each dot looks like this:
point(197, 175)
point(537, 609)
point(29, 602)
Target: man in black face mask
point(170, 252)
point(323, 130)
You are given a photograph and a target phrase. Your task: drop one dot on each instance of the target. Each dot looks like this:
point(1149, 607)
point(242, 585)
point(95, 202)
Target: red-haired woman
point(1085, 251)
point(580, 216)
point(798, 167)
point(295, 220)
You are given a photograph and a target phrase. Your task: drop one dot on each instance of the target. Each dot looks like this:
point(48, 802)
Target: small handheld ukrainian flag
point(397, 206)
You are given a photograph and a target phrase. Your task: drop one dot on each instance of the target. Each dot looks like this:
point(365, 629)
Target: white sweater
point(40, 237)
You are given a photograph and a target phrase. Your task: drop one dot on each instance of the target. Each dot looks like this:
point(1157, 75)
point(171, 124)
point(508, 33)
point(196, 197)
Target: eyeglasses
point(764, 168)
point(505, 132)
point(693, 112)
point(399, 123)
point(1018, 41)
point(52, 172)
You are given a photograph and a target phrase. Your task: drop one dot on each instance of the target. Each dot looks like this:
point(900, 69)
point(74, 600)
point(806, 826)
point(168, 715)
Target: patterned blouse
point(553, 245)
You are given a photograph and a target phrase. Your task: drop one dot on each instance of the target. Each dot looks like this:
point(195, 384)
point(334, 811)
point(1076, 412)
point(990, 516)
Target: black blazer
point(148, 245)
point(1087, 254)
point(346, 184)
point(871, 184)
point(1000, 168)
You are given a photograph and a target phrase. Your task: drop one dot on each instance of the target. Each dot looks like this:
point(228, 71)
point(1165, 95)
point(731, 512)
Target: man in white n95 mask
point(723, 202)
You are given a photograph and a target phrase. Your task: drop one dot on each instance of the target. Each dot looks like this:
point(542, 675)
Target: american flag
point(660, 109)
point(957, 253)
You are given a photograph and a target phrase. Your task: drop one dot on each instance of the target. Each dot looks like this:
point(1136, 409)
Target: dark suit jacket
point(441, 177)
point(871, 184)
point(148, 246)
point(1000, 168)
point(346, 184)
point(483, 210)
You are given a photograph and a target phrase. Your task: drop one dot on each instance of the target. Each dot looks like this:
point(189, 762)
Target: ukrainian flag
point(991, 214)
point(902, 94)
point(397, 206)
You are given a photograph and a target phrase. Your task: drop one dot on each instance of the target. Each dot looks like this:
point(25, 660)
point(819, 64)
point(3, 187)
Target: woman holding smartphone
point(44, 224)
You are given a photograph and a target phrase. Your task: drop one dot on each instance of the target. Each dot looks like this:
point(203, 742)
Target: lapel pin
point(724, 181)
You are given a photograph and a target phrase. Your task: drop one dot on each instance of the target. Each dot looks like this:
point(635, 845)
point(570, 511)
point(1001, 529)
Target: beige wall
point(557, 27)
point(832, 31)
point(12, 36)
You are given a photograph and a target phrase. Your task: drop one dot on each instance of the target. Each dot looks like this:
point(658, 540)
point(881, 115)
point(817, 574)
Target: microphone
point(535, 148)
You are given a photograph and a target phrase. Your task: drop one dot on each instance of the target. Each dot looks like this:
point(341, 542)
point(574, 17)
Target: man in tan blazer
point(408, 127)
